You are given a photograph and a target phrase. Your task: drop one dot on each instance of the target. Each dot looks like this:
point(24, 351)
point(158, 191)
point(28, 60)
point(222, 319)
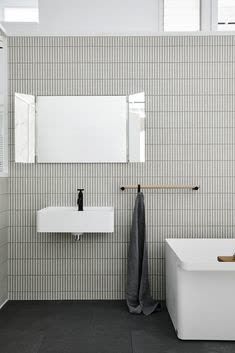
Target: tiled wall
point(4, 193)
point(190, 125)
point(4, 216)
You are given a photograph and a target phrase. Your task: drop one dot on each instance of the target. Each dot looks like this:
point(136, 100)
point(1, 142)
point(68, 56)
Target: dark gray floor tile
point(68, 344)
point(219, 347)
point(155, 341)
point(118, 342)
point(90, 344)
point(92, 327)
point(20, 341)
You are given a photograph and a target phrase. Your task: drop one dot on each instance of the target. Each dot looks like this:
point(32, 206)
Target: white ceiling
point(89, 17)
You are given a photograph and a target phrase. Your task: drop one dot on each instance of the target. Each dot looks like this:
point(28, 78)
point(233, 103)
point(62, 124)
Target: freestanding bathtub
point(200, 291)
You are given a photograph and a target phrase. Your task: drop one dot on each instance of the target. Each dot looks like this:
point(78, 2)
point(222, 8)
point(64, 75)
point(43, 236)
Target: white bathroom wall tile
point(190, 134)
point(3, 254)
point(4, 223)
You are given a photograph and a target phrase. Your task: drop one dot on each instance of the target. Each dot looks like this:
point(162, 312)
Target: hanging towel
point(138, 294)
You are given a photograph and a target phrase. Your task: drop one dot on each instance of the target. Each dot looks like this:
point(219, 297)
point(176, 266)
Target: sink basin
point(70, 220)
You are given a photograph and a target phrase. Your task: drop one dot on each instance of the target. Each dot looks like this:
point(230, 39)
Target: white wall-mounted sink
point(70, 220)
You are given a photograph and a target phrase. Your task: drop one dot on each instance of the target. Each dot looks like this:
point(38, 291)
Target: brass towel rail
point(139, 187)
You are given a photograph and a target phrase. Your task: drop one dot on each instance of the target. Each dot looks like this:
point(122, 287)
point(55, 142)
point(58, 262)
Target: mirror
point(80, 129)
point(136, 130)
point(24, 128)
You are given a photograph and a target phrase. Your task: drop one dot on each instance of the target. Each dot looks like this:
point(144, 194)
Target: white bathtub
point(200, 291)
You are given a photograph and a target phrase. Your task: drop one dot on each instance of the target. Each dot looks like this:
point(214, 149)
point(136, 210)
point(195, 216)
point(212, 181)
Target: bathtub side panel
point(171, 284)
point(206, 305)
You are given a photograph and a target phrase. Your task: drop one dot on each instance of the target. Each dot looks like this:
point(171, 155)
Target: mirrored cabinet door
point(136, 133)
point(24, 128)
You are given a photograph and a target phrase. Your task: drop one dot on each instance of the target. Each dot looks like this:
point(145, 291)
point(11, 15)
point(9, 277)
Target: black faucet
point(80, 200)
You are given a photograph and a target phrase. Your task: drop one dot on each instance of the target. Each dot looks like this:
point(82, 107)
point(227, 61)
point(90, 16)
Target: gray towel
point(138, 294)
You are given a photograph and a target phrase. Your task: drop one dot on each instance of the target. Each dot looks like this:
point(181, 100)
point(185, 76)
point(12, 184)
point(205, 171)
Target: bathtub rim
point(197, 265)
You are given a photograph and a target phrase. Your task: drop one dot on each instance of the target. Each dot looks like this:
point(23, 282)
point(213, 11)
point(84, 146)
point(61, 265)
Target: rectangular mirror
point(80, 129)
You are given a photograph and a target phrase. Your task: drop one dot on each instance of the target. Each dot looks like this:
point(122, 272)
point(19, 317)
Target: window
point(226, 15)
point(3, 113)
point(181, 15)
point(21, 14)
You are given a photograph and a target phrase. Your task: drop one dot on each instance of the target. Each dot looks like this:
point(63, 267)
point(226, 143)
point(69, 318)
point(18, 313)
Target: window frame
point(208, 20)
point(209, 15)
point(182, 31)
point(221, 30)
point(8, 19)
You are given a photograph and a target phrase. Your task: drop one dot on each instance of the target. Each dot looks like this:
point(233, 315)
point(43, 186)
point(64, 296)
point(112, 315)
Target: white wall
point(76, 17)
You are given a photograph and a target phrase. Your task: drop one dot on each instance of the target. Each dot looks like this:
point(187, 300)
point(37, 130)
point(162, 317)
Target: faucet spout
point(80, 200)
